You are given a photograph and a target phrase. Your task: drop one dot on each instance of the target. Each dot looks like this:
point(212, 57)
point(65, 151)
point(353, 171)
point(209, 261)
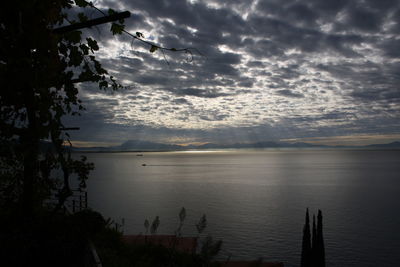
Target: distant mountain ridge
point(395, 144)
point(266, 144)
point(138, 145)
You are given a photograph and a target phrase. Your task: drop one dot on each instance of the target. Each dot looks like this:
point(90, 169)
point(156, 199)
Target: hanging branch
point(153, 47)
point(93, 22)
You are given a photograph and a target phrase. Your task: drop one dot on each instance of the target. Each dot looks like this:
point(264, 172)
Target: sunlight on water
point(255, 200)
point(200, 151)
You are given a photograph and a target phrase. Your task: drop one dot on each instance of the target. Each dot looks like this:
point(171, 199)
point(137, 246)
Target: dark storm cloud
point(200, 92)
point(370, 82)
point(362, 19)
point(214, 117)
point(289, 93)
point(180, 101)
point(96, 125)
point(281, 35)
point(391, 47)
point(262, 61)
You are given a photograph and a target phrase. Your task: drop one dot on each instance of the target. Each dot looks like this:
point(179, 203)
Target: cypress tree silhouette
point(306, 245)
point(320, 243)
point(313, 253)
point(314, 250)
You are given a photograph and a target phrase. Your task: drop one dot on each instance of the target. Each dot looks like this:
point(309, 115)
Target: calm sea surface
point(255, 200)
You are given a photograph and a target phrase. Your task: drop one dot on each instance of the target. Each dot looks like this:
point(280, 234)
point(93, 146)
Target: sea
point(255, 200)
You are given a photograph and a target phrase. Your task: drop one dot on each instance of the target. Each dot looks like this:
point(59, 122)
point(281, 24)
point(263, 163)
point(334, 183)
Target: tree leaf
point(153, 48)
point(92, 44)
point(117, 28)
point(81, 3)
point(85, 49)
point(82, 17)
point(74, 37)
point(103, 85)
point(111, 11)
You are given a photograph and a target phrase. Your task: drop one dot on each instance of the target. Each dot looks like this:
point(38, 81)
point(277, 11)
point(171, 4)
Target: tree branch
point(153, 46)
point(93, 22)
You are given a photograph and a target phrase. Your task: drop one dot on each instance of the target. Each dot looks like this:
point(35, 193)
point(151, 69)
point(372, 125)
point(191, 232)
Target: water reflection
point(255, 200)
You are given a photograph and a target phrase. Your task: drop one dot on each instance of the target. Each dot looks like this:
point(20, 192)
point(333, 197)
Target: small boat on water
point(139, 155)
point(143, 164)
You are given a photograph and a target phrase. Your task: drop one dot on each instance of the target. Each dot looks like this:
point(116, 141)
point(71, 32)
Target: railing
point(78, 201)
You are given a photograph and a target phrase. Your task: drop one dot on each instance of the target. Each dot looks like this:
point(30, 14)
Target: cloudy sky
point(324, 71)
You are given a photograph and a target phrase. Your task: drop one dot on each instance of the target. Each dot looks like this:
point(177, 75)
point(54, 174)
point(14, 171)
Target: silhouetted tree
point(320, 247)
point(313, 253)
point(37, 70)
point(314, 244)
point(154, 225)
point(306, 244)
point(40, 68)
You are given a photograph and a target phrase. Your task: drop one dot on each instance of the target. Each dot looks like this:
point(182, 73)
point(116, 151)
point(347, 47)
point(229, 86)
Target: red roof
point(250, 264)
point(188, 245)
point(183, 244)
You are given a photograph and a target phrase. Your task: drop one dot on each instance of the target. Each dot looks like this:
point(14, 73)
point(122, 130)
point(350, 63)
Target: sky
point(321, 71)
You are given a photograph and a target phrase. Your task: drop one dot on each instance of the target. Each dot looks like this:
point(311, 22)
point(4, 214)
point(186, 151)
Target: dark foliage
point(319, 245)
point(114, 252)
point(313, 252)
point(48, 239)
point(306, 244)
point(39, 73)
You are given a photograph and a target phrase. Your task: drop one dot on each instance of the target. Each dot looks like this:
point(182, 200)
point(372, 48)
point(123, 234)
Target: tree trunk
point(30, 146)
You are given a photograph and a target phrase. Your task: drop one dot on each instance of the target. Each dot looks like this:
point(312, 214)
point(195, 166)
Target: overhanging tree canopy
point(41, 62)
